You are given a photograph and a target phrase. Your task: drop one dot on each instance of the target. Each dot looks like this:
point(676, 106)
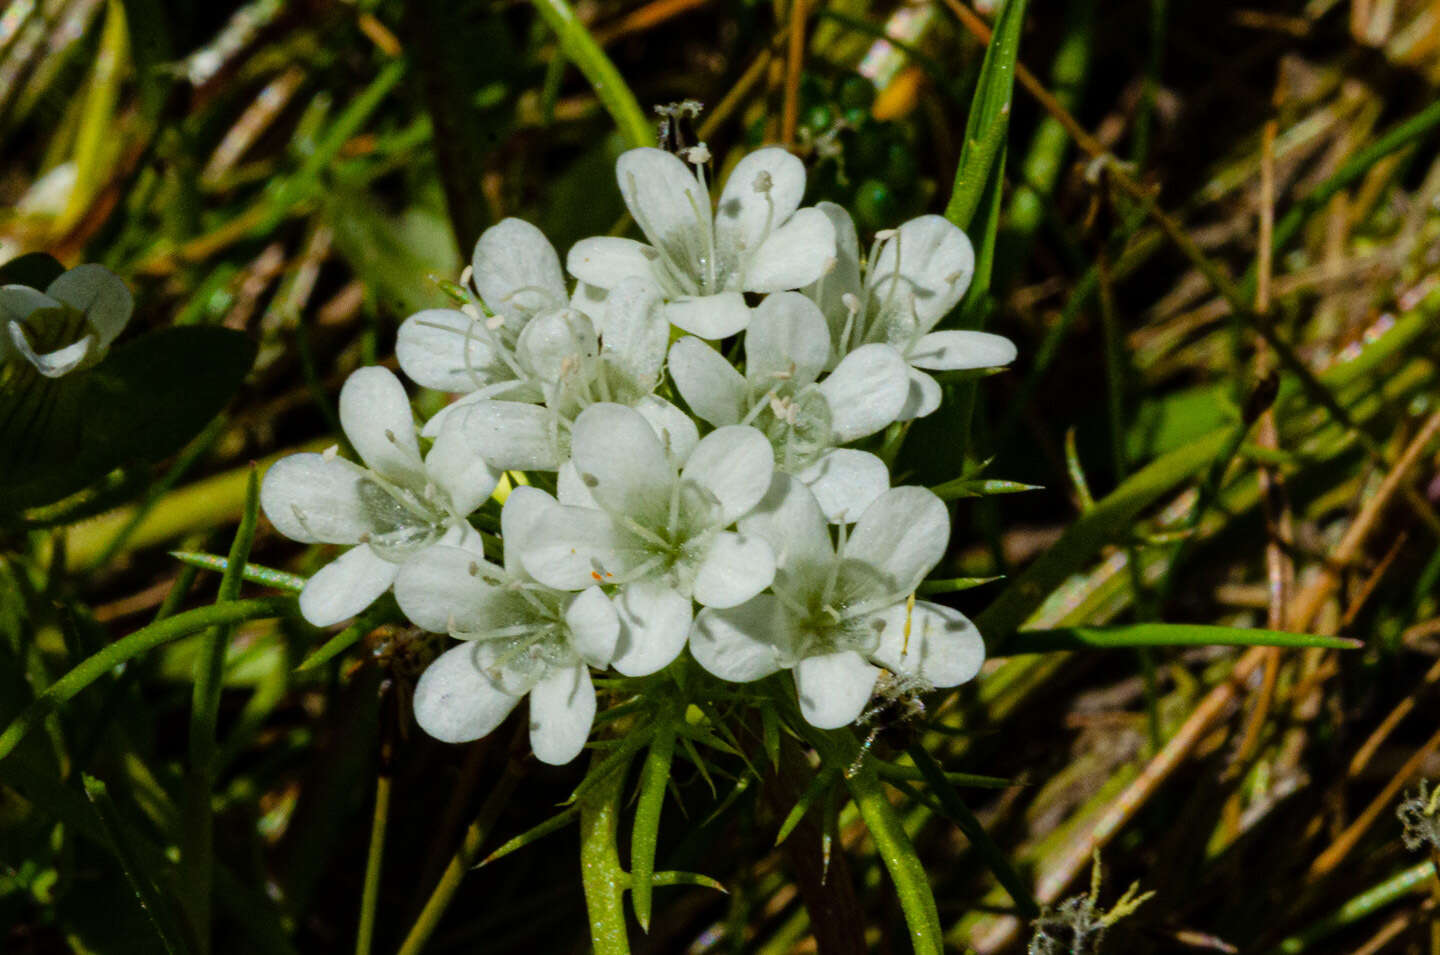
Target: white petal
point(794, 255)
point(710, 316)
point(316, 499)
point(942, 647)
point(866, 391)
point(668, 203)
point(735, 463)
point(845, 482)
point(562, 710)
point(56, 363)
point(572, 548)
point(738, 644)
point(346, 586)
point(956, 350)
point(834, 688)
point(455, 701)
point(589, 299)
point(935, 261)
point(520, 516)
point(555, 343)
point(375, 413)
point(923, 396)
point(606, 261)
point(734, 569)
point(100, 294)
point(790, 519)
point(844, 279)
point(513, 435)
point(710, 385)
point(621, 460)
point(443, 588)
point(569, 489)
point(903, 535)
point(787, 343)
point(444, 349)
point(636, 333)
point(763, 191)
point(19, 302)
point(517, 271)
point(675, 429)
point(455, 464)
point(594, 626)
point(654, 622)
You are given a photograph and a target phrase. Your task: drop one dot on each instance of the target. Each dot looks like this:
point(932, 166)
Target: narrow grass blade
point(252, 573)
point(582, 50)
point(1164, 635)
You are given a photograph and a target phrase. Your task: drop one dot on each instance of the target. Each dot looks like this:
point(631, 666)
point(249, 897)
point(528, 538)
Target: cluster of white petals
point(698, 500)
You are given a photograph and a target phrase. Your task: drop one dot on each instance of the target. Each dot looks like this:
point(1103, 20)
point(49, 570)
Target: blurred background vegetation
point(1218, 251)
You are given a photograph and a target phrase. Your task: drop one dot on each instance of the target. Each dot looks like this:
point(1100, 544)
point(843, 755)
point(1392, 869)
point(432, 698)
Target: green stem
point(581, 49)
point(600, 870)
point(370, 895)
point(137, 644)
point(1357, 908)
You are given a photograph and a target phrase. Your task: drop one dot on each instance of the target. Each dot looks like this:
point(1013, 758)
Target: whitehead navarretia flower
point(914, 276)
point(757, 240)
point(684, 477)
point(68, 326)
point(389, 511)
point(835, 615)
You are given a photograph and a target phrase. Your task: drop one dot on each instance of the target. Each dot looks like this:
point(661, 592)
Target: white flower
point(571, 364)
point(520, 637)
point(915, 275)
point(628, 519)
point(390, 510)
point(516, 274)
point(835, 616)
point(68, 326)
point(757, 240)
point(787, 347)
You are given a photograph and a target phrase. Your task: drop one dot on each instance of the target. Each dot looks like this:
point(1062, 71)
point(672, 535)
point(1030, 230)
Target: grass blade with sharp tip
point(654, 777)
point(1163, 635)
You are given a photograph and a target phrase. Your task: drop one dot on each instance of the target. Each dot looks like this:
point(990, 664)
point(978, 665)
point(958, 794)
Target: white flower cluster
point(749, 502)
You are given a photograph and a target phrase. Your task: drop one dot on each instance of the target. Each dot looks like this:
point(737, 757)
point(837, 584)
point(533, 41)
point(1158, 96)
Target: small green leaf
point(644, 835)
point(554, 824)
point(818, 787)
point(253, 573)
point(953, 584)
point(980, 487)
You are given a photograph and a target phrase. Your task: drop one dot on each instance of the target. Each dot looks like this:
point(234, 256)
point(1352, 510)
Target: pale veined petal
point(734, 569)
point(790, 520)
point(56, 363)
point(622, 462)
point(866, 391)
point(923, 396)
point(572, 548)
point(19, 302)
point(830, 289)
point(670, 206)
point(903, 535)
point(375, 413)
point(517, 271)
point(709, 316)
point(562, 710)
point(654, 623)
point(763, 191)
point(738, 644)
point(569, 489)
point(845, 482)
point(675, 429)
point(787, 343)
point(710, 385)
point(936, 643)
point(930, 256)
point(589, 299)
point(606, 261)
point(794, 255)
point(444, 589)
point(556, 344)
point(594, 626)
point(314, 498)
point(520, 517)
point(455, 701)
point(513, 435)
point(98, 293)
point(445, 349)
point(960, 350)
point(834, 687)
point(346, 586)
point(456, 465)
point(735, 463)
point(635, 333)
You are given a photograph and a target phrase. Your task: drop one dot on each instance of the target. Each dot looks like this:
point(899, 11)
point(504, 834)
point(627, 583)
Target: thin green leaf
point(671, 877)
point(534, 834)
point(253, 573)
point(1163, 635)
point(950, 585)
point(980, 487)
point(580, 48)
point(818, 787)
point(646, 829)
